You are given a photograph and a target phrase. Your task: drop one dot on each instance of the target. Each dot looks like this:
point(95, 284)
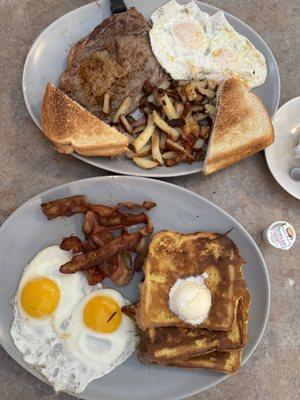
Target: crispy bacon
point(121, 220)
point(102, 255)
point(77, 204)
point(148, 229)
point(146, 205)
point(85, 261)
point(90, 222)
point(100, 238)
point(94, 275)
point(105, 211)
point(91, 243)
point(119, 268)
point(142, 251)
point(97, 274)
point(75, 244)
point(65, 207)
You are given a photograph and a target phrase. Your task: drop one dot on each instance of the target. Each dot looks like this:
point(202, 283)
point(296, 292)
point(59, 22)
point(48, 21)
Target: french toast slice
point(162, 345)
point(227, 362)
point(171, 343)
point(173, 256)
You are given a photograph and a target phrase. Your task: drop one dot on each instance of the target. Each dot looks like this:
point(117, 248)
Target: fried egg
point(46, 297)
point(101, 336)
point(61, 324)
point(190, 44)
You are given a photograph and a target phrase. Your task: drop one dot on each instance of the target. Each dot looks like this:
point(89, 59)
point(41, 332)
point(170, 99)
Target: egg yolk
point(102, 314)
point(189, 35)
point(40, 297)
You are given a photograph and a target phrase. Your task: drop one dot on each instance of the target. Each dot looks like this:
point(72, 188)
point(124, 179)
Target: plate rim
point(112, 178)
point(267, 150)
point(149, 173)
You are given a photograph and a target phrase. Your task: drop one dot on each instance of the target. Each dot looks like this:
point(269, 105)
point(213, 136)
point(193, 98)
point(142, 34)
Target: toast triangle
point(242, 126)
point(70, 127)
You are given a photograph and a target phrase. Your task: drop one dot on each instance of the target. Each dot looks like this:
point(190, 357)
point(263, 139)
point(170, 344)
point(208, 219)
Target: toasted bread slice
point(174, 255)
point(72, 128)
point(242, 126)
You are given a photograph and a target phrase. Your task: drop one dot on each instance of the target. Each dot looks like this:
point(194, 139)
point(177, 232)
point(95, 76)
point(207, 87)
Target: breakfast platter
point(65, 211)
point(48, 57)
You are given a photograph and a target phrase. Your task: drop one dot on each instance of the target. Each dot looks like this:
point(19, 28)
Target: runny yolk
point(102, 314)
point(40, 297)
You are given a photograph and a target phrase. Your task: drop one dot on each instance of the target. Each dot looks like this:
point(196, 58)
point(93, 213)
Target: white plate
point(279, 154)
point(48, 55)
point(177, 209)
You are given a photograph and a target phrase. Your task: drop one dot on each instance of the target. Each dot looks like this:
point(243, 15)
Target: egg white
point(100, 349)
point(233, 55)
point(224, 52)
point(176, 59)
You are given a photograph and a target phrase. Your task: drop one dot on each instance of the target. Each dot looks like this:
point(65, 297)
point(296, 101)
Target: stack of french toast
point(217, 343)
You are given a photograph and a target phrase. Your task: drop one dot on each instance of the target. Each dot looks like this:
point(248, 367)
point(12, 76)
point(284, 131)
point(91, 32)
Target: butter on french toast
point(173, 256)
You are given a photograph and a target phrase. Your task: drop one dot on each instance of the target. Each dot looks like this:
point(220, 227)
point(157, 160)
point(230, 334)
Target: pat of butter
point(190, 299)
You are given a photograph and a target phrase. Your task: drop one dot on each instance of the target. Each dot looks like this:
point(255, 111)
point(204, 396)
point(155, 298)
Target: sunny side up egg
point(101, 333)
point(189, 44)
point(70, 332)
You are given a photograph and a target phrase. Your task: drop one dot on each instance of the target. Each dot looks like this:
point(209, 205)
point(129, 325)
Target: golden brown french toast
point(228, 362)
point(171, 343)
point(174, 255)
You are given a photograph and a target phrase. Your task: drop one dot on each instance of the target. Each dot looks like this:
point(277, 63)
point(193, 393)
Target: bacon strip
point(94, 224)
point(65, 207)
point(102, 254)
point(77, 204)
point(85, 261)
point(90, 222)
point(94, 275)
point(101, 238)
point(75, 244)
point(105, 211)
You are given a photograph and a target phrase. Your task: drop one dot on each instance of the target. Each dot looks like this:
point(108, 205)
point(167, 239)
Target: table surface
point(247, 190)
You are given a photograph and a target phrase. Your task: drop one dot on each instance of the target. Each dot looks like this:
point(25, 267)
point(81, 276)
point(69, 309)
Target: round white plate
point(279, 154)
point(48, 56)
point(188, 213)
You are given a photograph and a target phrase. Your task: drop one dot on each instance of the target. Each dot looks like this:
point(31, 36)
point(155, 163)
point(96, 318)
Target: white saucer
point(279, 155)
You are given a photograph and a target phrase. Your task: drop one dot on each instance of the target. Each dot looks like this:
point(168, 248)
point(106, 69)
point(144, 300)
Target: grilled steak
point(116, 58)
